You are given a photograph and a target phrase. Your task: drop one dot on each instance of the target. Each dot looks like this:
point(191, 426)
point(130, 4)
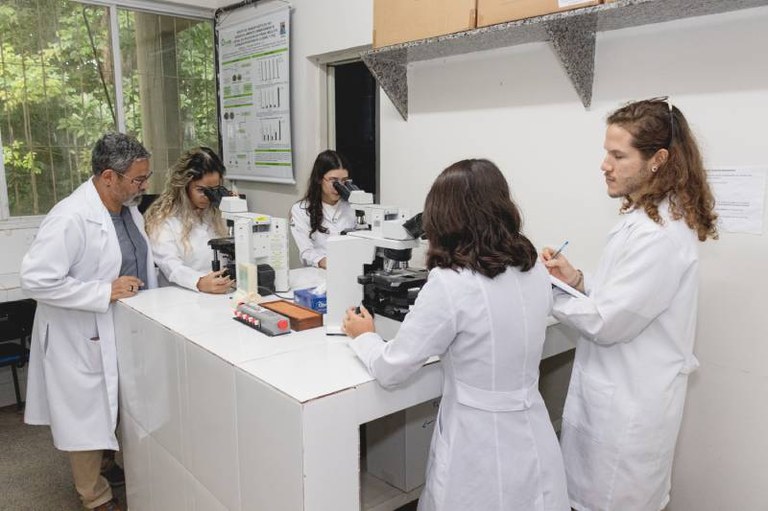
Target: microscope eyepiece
point(414, 227)
point(215, 194)
point(345, 188)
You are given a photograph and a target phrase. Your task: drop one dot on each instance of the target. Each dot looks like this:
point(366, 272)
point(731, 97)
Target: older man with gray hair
point(90, 251)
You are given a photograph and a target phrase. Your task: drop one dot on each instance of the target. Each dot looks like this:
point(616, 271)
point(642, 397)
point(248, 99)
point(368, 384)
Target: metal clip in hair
point(671, 136)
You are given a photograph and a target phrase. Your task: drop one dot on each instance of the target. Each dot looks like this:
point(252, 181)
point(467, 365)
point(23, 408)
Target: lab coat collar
point(620, 224)
point(636, 215)
point(95, 210)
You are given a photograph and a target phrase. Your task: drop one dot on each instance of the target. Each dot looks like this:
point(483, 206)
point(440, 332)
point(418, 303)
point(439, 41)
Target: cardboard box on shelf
point(399, 21)
point(491, 12)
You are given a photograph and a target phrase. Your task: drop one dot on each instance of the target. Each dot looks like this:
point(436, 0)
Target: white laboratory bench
point(217, 416)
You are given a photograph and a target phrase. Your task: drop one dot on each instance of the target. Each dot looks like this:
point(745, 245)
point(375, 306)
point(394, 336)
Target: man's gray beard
point(135, 201)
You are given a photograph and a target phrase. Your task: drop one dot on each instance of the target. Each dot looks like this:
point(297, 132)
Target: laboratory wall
point(517, 107)
point(318, 31)
point(15, 238)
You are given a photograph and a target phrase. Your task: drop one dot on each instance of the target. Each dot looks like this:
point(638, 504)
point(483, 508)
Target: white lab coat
point(336, 218)
point(177, 265)
point(493, 446)
point(625, 401)
point(69, 270)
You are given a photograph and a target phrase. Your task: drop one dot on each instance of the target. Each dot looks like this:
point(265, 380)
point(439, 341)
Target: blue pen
point(557, 252)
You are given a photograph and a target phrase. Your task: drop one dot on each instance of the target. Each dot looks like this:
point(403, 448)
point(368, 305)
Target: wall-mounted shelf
point(571, 33)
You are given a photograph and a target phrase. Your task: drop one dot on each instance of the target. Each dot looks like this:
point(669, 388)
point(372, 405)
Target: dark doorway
point(355, 97)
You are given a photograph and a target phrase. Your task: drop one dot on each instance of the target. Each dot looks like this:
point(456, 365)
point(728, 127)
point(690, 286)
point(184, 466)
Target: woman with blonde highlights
point(182, 220)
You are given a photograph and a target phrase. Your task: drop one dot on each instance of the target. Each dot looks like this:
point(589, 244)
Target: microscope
point(370, 264)
point(257, 249)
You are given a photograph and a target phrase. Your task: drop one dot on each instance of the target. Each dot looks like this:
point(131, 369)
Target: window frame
point(5, 203)
point(328, 63)
point(6, 220)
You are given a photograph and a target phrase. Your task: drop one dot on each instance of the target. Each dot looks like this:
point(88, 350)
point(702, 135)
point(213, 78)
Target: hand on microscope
point(358, 321)
point(215, 283)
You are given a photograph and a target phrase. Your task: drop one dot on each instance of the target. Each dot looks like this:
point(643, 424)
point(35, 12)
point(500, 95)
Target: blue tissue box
point(306, 298)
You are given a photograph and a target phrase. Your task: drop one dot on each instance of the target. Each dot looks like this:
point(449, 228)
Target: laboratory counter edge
point(215, 415)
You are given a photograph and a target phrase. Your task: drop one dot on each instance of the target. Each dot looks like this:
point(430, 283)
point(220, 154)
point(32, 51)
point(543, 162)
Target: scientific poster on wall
point(254, 90)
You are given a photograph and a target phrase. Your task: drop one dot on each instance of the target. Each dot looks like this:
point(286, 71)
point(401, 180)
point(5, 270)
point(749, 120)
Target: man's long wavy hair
point(471, 221)
point(313, 200)
point(654, 124)
point(174, 201)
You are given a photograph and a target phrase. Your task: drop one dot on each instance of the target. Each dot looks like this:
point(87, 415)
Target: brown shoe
point(111, 505)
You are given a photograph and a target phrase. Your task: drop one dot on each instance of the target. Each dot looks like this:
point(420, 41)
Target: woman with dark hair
point(182, 220)
point(484, 312)
point(321, 213)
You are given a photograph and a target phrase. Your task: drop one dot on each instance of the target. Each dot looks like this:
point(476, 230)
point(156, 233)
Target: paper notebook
point(565, 287)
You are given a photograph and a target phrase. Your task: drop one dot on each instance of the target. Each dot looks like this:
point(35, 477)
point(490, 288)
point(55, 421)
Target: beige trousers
point(93, 489)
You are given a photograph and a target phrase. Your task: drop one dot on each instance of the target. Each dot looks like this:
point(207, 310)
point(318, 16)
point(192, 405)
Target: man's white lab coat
point(625, 401)
point(493, 446)
point(69, 270)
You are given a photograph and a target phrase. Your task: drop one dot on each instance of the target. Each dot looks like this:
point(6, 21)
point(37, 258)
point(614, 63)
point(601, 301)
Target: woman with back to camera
point(182, 220)
point(322, 212)
point(484, 312)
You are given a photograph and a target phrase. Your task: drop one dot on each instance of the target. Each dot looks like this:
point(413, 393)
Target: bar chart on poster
point(254, 91)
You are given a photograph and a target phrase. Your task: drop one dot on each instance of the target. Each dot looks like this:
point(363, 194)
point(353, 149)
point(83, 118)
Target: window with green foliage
point(58, 93)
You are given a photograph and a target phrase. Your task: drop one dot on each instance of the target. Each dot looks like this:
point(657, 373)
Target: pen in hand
point(557, 252)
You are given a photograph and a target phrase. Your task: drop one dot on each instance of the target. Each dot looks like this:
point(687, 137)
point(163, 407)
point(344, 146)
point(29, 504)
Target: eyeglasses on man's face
point(138, 181)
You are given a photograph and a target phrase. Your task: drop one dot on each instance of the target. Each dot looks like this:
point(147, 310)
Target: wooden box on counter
point(301, 318)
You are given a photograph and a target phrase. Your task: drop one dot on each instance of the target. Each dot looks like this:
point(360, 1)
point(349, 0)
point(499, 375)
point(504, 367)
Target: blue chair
point(16, 320)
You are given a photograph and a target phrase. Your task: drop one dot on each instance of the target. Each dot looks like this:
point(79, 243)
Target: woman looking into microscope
point(182, 220)
point(321, 212)
point(483, 311)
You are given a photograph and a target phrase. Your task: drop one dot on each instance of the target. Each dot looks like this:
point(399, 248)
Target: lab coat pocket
point(92, 358)
point(655, 423)
point(437, 468)
point(82, 353)
point(589, 405)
